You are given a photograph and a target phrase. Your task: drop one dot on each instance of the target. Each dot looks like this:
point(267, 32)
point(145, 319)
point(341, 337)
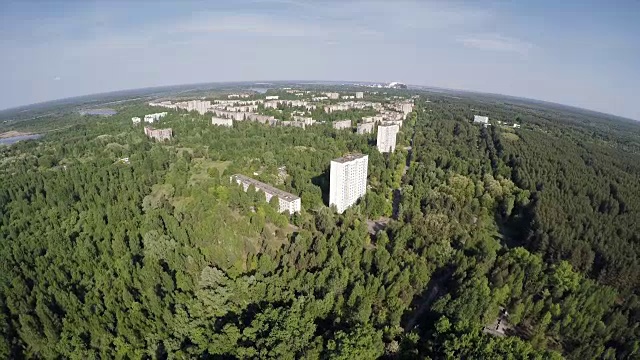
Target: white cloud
point(496, 42)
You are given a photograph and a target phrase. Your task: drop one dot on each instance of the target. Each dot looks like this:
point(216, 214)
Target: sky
point(580, 53)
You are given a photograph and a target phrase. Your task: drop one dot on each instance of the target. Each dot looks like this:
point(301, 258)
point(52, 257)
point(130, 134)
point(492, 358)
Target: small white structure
point(343, 124)
point(272, 97)
point(517, 126)
point(483, 120)
point(359, 95)
point(221, 121)
point(136, 120)
point(348, 180)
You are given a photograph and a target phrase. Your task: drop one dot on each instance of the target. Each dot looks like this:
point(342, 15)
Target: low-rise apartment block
point(359, 95)
point(483, 120)
point(158, 134)
point(343, 124)
point(150, 118)
point(286, 201)
point(221, 121)
point(366, 128)
point(136, 120)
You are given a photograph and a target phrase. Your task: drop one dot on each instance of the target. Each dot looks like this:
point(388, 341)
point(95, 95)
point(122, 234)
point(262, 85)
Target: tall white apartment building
point(359, 95)
point(348, 180)
point(387, 138)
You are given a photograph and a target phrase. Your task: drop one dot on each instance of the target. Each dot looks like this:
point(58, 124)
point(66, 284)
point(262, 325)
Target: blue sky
point(578, 53)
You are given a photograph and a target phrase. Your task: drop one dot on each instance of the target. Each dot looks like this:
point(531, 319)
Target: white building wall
point(348, 181)
point(477, 119)
point(221, 121)
point(344, 124)
point(387, 138)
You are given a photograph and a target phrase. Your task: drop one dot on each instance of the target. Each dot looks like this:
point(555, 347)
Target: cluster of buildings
point(484, 121)
point(348, 177)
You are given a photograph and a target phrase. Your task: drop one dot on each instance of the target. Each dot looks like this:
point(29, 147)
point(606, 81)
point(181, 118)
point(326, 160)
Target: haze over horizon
point(574, 53)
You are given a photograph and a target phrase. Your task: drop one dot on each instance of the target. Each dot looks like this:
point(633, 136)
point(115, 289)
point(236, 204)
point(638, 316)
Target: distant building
point(344, 124)
point(359, 95)
point(135, 120)
point(272, 97)
point(158, 134)
point(150, 118)
point(387, 138)
point(517, 126)
point(333, 96)
point(221, 121)
point(477, 119)
point(365, 128)
point(286, 201)
point(348, 180)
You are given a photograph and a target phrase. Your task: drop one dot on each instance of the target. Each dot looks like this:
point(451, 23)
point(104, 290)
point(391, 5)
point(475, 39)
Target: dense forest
point(162, 257)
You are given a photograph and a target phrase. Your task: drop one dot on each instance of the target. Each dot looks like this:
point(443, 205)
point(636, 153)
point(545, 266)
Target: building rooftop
point(266, 187)
point(349, 157)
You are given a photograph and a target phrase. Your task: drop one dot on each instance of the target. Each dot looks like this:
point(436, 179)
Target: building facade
point(387, 138)
point(359, 95)
point(343, 124)
point(286, 201)
point(477, 119)
point(136, 120)
point(221, 121)
point(365, 128)
point(158, 134)
point(348, 180)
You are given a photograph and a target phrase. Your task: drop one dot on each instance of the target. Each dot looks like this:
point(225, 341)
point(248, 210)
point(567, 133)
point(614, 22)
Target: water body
point(15, 139)
point(104, 112)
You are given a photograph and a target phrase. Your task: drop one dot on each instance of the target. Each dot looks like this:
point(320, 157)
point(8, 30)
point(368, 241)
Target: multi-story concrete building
point(477, 119)
point(293, 123)
point(387, 138)
point(135, 120)
point(348, 180)
point(158, 134)
point(365, 128)
point(221, 121)
point(286, 201)
point(332, 96)
point(272, 97)
point(150, 118)
point(359, 95)
point(343, 124)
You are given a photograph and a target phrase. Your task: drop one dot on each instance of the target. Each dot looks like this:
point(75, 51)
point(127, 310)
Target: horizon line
point(310, 82)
